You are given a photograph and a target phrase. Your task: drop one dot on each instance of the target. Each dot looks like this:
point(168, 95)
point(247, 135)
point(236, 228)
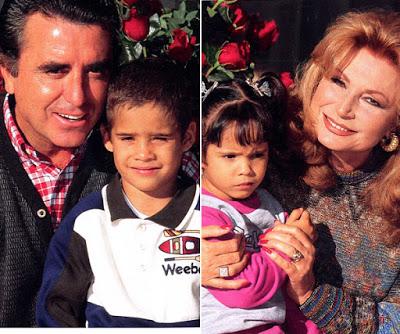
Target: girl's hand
point(301, 218)
point(226, 253)
point(295, 241)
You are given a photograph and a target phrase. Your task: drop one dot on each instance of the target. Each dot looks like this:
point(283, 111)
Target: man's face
point(61, 86)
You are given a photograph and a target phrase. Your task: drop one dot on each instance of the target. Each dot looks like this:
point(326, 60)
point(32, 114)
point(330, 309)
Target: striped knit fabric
point(358, 283)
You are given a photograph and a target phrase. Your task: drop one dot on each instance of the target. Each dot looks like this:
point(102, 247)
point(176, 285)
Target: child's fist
point(301, 218)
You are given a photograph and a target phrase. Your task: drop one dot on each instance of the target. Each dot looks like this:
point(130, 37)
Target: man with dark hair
point(56, 58)
point(128, 256)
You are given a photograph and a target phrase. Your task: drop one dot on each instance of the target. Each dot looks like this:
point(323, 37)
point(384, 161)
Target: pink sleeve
point(264, 276)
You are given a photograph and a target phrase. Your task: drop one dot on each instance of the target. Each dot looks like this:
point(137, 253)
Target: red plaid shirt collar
point(190, 165)
point(51, 182)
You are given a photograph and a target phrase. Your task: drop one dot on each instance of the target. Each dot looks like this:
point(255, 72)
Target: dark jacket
point(25, 231)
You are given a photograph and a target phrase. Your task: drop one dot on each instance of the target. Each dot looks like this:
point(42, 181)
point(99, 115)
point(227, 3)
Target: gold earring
point(392, 145)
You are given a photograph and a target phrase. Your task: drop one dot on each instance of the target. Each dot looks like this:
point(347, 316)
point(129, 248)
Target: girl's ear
point(189, 137)
point(105, 134)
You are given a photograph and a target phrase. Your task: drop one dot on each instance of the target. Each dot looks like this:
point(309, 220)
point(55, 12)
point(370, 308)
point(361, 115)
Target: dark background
point(301, 24)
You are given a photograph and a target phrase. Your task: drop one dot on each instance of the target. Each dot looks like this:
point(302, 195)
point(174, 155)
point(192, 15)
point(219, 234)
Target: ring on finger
point(223, 271)
point(297, 256)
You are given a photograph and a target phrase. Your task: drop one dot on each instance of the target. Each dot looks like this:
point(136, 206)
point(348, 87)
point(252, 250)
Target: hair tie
point(262, 90)
point(205, 92)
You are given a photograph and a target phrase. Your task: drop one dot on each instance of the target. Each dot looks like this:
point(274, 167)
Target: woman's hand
point(225, 253)
point(295, 241)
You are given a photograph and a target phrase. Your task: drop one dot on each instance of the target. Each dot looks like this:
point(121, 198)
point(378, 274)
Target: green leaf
point(210, 51)
point(163, 24)
point(130, 52)
point(180, 12)
point(218, 76)
point(173, 23)
point(159, 34)
point(191, 15)
point(228, 73)
point(211, 12)
point(188, 31)
point(166, 15)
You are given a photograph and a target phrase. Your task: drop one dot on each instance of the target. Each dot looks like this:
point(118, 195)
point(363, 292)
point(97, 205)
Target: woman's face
point(353, 109)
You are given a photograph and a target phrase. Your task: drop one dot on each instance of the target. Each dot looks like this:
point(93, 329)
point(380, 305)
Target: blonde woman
point(344, 137)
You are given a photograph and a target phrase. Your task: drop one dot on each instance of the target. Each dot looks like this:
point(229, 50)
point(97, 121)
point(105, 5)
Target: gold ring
point(297, 256)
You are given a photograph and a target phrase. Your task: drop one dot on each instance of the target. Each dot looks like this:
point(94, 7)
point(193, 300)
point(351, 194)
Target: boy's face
point(147, 147)
point(232, 171)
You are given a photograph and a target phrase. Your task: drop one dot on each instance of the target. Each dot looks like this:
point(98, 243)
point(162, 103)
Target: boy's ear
point(105, 134)
point(8, 79)
point(189, 137)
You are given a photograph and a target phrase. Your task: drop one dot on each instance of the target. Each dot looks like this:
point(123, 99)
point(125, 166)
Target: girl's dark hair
point(256, 116)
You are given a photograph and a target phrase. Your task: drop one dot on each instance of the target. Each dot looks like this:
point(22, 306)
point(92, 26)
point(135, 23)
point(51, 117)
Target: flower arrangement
point(231, 40)
point(149, 29)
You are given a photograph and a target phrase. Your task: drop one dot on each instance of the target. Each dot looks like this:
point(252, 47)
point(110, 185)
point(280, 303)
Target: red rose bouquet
point(232, 38)
point(149, 29)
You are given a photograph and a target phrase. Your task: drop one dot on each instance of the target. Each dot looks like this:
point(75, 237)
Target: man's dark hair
point(159, 81)
point(14, 14)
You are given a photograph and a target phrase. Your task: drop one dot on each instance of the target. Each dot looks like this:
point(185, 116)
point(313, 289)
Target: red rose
point(265, 33)
point(181, 48)
point(203, 60)
point(240, 21)
point(235, 56)
point(286, 79)
point(137, 27)
point(129, 2)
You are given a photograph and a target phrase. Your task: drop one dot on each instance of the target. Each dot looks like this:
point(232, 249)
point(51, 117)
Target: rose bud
point(137, 26)
point(286, 79)
point(235, 56)
point(240, 21)
point(181, 48)
point(265, 33)
point(203, 60)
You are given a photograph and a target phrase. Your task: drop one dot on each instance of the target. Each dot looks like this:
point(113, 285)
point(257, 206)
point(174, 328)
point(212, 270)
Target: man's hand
point(225, 253)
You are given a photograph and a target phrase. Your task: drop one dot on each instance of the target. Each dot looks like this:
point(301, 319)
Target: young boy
point(128, 256)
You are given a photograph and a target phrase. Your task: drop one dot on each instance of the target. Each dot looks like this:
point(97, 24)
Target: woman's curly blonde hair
point(379, 31)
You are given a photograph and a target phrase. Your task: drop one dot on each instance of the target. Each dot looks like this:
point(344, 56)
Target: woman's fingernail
point(261, 236)
point(267, 249)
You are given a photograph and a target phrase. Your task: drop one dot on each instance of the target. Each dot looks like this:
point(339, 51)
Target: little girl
point(239, 123)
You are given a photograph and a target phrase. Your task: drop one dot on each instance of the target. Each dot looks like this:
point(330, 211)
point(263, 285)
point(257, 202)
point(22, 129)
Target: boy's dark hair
point(14, 14)
point(154, 80)
point(256, 116)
